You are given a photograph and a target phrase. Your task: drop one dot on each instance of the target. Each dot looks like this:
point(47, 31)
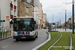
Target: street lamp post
point(73, 16)
point(52, 18)
point(65, 20)
point(60, 18)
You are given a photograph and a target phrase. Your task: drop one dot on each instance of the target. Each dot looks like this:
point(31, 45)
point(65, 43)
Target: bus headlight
point(32, 33)
point(15, 34)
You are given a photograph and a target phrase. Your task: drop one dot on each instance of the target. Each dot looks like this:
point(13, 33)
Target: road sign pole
point(65, 19)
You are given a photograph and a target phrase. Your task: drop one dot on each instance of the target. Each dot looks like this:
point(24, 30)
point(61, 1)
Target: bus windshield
point(23, 25)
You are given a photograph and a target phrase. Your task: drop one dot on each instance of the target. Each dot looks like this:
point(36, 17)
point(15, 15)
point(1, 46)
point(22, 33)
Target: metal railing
point(5, 33)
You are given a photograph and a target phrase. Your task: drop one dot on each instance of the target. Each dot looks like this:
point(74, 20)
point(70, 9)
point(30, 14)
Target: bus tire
point(17, 39)
point(37, 36)
point(34, 38)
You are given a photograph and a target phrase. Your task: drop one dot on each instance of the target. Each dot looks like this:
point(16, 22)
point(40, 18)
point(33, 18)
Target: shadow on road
point(25, 40)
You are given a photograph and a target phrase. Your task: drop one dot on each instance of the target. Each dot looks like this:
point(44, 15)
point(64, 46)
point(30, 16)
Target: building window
point(26, 10)
point(11, 5)
point(14, 7)
point(11, 16)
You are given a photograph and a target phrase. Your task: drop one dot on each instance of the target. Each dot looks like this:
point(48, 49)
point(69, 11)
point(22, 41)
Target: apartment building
point(44, 19)
point(41, 20)
point(8, 11)
point(25, 9)
point(74, 19)
point(13, 9)
point(0, 13)
point(37, 12)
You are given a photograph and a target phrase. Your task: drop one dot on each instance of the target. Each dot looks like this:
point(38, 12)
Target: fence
point(5, 33)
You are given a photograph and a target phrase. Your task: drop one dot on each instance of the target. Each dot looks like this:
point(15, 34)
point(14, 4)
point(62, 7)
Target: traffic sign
point(2, 20)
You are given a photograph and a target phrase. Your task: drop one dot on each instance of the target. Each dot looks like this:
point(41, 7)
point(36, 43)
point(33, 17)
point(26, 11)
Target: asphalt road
point(11, 44)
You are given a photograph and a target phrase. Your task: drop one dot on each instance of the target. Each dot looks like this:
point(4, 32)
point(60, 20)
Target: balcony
point(14, 7)
point(11, 16)
point(11, 5)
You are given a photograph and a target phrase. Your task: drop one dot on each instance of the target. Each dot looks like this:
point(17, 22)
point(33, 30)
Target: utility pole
point(73, 16)
point(60, 21)
point(65, 20)
point(52, 17)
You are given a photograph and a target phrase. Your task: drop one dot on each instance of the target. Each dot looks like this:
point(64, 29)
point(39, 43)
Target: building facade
point(41, 20)
point(44, 20)
point(25, 9)
point(13, 9)
point(37, 12)
point(8, 11)
point(0, 13)
point(74, 19)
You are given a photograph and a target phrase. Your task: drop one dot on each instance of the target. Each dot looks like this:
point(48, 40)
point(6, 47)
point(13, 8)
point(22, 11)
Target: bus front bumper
point(24, 37)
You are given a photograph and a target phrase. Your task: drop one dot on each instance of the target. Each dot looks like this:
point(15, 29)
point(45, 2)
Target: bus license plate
point(23, 37)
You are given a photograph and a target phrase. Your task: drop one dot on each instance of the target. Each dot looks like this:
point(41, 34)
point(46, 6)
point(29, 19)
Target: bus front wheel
point(37, 36)
point(17, 39)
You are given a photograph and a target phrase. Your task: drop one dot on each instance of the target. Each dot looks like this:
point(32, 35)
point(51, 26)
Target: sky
point(57, 7)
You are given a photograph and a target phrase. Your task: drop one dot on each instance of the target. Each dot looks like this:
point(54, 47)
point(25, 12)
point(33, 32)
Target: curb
point(49, 37)
point(55, 42)
point(5, 38)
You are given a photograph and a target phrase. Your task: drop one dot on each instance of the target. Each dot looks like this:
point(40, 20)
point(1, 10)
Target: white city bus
point(25, 28)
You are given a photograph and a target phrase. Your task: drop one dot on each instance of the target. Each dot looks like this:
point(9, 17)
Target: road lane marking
point(5, 47)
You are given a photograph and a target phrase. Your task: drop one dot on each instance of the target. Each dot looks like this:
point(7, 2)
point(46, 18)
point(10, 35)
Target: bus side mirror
point(34, 22)
point(11, 22)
